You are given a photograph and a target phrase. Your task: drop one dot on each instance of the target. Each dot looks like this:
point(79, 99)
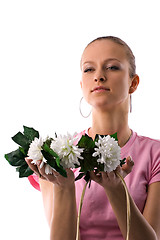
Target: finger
point(104, 175)
point(32, 166)
point(58, 176)
point(41, 168)
point(127, 167)
point(110, 175)
point(51, 178)
point(61, 179)
point(55, 173)
point(130, 161)
point(95, 177)
point(70, 173)
point(41, 177)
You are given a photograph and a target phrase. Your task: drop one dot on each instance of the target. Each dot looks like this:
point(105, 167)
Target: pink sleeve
point(155, 171)
point(34, 180)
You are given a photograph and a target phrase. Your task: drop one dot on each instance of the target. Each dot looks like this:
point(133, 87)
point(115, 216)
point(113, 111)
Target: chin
point(103, 105)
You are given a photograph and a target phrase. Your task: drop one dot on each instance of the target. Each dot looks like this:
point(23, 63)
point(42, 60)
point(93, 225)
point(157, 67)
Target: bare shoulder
point(152, 207)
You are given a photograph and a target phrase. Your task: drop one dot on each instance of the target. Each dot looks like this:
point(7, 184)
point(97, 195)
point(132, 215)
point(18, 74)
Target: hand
point(111, 180)
point(55, 177)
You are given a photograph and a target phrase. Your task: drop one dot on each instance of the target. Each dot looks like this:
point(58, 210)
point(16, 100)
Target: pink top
point(97, 218)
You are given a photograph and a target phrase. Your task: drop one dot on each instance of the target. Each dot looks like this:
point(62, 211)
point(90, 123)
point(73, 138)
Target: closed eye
point(88, 70)
point(114, 68)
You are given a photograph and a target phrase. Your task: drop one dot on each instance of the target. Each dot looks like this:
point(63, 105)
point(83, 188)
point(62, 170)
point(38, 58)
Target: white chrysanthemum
point(48, 169)
point(35, 154)
point(66, 149)
point(35, 148)
point(109, 153)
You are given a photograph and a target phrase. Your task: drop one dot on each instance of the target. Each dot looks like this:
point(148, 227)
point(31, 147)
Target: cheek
point(120, 85)
point(85, 85)
point(85, 91)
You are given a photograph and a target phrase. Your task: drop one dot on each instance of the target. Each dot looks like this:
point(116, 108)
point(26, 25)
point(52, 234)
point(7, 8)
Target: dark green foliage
point(17, 157)
point(87, 164)
point(123, 161)
point(114, 136)
point(53, 159)
point(24, 170)
point(30, 133)
point(86, 142)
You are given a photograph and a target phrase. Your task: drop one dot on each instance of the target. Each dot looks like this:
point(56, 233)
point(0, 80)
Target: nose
point(99, 76)
point(102, 79)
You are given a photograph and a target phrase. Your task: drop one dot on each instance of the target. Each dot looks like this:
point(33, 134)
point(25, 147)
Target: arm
point(63, 223)
point(143, 226)
point(59, 200)
point(60, 209)
point(47, 196)
point(140, 227)
point(152, 208)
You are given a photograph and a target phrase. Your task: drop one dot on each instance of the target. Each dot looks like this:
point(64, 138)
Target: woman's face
point(105, 74)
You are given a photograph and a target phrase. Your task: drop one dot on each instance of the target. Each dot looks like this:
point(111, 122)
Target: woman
point(108, 81)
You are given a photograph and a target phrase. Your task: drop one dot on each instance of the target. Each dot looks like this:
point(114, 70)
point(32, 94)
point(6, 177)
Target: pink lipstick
point(100, 89)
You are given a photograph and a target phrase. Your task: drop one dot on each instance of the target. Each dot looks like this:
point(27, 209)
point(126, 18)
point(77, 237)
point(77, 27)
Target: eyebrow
point(107, 60)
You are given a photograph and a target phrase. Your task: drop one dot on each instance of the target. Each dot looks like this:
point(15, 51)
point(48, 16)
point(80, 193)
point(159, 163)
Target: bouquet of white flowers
point(65, 151)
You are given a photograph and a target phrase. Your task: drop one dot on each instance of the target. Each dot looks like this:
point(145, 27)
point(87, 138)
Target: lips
point(100, 89)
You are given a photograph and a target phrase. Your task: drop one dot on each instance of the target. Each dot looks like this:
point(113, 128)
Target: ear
point(134, 84)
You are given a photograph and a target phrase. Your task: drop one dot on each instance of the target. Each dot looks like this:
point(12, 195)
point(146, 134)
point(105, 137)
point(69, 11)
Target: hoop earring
point(130, 103)
point(81, 110)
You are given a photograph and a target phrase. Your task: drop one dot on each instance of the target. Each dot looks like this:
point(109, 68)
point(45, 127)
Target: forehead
point(103, 49)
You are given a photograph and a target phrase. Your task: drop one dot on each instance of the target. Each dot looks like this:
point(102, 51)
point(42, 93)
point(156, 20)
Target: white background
point(41, 43)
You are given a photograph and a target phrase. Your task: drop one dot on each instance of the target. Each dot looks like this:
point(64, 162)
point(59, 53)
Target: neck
point(107, 123)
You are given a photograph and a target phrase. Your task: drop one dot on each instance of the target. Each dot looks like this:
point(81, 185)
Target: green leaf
point(96, 138)
point(79, 176)
point(61, 171)
point(87, 177)
point(54, 165)
point(86, 142)
point(24, 171)
point(49, 150)
point(30, 133)
point(15, 158)
point(88, 163)
point(48, 141)
point(21, 140)
point(52, 153)
point(23, 151)
point(123, 161)
point(53, 159)
point(50, 159)
point(114, 136)
point(100, 167)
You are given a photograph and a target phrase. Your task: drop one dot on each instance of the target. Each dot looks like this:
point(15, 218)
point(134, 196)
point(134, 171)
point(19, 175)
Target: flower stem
point(79, 210)
point(128, 205)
